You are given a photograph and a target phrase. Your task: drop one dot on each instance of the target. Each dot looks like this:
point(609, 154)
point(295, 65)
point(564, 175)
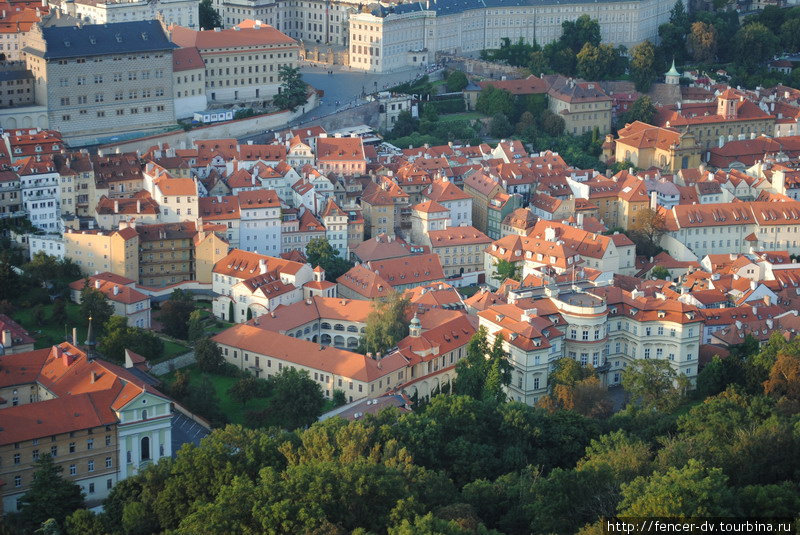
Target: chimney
point(97, 284)
point(116, 290)
point(116, 206)
point(7, 340)
point(262, 266)
point(75, 336)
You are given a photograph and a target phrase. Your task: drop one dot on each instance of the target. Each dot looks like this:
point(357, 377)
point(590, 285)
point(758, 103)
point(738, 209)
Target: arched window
point(145, 448)
point(326, 325)
point(352, 329)
point(144, 414)
point(338, 327)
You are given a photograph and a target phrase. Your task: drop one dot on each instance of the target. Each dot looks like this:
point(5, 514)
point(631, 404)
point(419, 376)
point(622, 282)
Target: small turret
point(415, 327)
point(672, 77)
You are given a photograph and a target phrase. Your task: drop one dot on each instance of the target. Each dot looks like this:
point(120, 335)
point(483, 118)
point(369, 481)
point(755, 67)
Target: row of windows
point(118, 112)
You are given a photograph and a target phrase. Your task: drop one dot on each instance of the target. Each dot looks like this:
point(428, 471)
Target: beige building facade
point(98, 80)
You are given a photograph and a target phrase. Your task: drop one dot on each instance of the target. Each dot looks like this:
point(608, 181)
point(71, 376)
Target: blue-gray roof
point(103, 39)
point(450, 7)
point(6, 76)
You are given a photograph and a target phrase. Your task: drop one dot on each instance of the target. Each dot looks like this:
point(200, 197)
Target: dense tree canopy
point(175, 313)
point(118, 336)
point(386, 325)
point(293, 91)
point(49, 496)
point(94, 305)
point(319, 252)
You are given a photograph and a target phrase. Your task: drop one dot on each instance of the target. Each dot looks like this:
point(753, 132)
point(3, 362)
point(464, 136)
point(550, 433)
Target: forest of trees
point(472, 463)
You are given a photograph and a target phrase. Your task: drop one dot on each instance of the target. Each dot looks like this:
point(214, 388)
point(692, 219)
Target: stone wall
point(479, 67)
point(364, 114)
point(230, 129)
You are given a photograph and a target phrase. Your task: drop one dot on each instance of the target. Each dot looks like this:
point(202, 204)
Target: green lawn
point(468, 291)
point(171, 349)
point(463, 116)
point(51, 333)
point(233, 410)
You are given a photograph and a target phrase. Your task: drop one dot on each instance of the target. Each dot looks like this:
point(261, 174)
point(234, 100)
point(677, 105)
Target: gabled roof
point(245, 264)
point(340, 149)
point(103, 39)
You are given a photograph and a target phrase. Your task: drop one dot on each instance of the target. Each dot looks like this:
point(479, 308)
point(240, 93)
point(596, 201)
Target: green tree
point(703, 42)
point(456, 81)
point(643, 71)
point(596, 61)
point(195, 328)
point(526, 124)
point(117, 337)
point(646, 232)
point(642, 110)
point(790, 35)
point(175, 313)
point(49, 496)
point(492, 100)
point(137, 520)
point(386, 325)
point(59, 314)
point(625, 456)
point(660, 272)
point(292, 92)
point(551, 124)
point(783, 383)
point(243, 390)
point(500, 127)
point(405, 125)
point(84, 522)
point(754, 44)
point(703, 492)
point(654, 384)
point(319, 252)
point(339, 398)
point(576, 388)
point(577, 33)
point(678, 15)
point(296, 400)
point(95, 305)
point(209, 17)
point(506, 270)
point(208, 356)
point(471, 371)
point(498, 372)
point(10, 285)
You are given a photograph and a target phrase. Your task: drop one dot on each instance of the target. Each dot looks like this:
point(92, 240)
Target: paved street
point(344, 86)
point(347, 86)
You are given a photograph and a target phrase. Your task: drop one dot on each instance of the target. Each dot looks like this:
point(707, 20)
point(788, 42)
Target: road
point(344, 85)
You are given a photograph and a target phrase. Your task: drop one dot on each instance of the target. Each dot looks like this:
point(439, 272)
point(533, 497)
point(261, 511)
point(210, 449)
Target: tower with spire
point(90, 342)
point(672, 77)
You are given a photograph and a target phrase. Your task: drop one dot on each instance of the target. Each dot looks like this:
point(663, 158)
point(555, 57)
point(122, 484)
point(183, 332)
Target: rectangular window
point(108, 462)
point(90, 444)
point(72, 447)
point(73, 470)
point(90, 465)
